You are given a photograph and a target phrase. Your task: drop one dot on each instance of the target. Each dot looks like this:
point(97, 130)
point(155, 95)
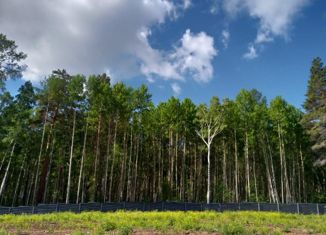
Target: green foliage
point(126, 148)
point(108, 226)
point(315, 106)
point(9, 59)
point(166, 222)
point(233, 229)
point(125, 230)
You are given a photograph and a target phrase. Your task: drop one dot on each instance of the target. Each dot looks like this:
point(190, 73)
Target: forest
point(77, 138)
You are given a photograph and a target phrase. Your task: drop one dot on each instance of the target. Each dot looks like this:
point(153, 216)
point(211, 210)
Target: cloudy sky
point(186, 48)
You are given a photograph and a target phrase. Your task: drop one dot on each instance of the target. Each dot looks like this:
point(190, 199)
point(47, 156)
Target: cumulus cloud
point(176, 89)
point(192, 56)
point(85, 36)
point(225, 38)
point(186, 4)
point(275, 16)
point(251, 53)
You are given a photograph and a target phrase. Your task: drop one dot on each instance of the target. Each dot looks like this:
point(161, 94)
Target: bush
point(125, 230)
point(108, 226)
point(233, 229)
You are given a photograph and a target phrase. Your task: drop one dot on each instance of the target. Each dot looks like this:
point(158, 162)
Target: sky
point(186, 48)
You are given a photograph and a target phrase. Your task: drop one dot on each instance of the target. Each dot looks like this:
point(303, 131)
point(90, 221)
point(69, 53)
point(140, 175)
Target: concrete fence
point(296, 208)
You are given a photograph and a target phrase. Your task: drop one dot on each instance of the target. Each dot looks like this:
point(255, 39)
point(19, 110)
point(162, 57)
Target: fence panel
point(90, 206)
point(4, 210)
point(22, 210)
point(249, 206)
point(303, 208)
point(289, 208)
point(174, 206)
point(212, 207)
point(153, 206)
point(193, 206)
point(134, 206)
point(322, 209)
point(45, 208)
point(268, 206)
point(69, 207)
point(229, 206)
point(112, 206)
point(308, 208)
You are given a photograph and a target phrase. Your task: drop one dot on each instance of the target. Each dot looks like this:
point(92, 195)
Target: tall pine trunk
point(71, 156)
point(4, 179)
point(48, 171)
point(97, 153)
point(236, 170)
point(18, 182)
point(105, 183)
point(81, 171)
point(248, 193)
point(39, 157)
point(113, 159)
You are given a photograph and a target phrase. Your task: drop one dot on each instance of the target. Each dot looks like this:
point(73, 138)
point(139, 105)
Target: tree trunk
point(105, 183)
point(303, 176)
point(224, 170)
point(254, 172)
point(97, 153)
point(18, 183)
point(183, 185)
point(236, 174)
point(48, 171)
point(39, 156)
point(5, 156)
point(272, 170)
point(123, 167)
point(281, 162)
point(136, 170)
point(176, 163)
point(208, 173)
point(3, 183)
point(129, 166)
point(272, 196)
point(248, 193)
point(82, 163)
point(113, 159)
point(71, 156)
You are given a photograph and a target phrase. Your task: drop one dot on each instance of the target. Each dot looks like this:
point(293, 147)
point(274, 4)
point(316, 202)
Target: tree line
point(83, 139)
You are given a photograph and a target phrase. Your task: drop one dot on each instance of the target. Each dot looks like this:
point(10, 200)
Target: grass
point(122, 222)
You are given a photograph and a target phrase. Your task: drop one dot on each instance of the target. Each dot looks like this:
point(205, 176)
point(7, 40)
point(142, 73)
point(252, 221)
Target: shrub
point(125, 230)
point(108, 226)
point(233, 229)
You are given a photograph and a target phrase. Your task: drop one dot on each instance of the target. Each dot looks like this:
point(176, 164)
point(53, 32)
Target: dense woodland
point(83, 139)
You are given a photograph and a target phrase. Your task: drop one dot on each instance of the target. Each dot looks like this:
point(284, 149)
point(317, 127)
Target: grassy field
point(163, 223)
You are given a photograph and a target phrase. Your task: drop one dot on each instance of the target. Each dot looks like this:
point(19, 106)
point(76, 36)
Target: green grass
point(164, 222)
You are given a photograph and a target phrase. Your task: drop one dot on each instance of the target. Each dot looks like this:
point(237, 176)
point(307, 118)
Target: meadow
point(122, 222)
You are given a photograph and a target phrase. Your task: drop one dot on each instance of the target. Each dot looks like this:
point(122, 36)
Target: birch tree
point(211, 124)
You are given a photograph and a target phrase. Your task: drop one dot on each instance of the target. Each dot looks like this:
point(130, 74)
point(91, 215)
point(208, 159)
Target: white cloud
point(195, 56)
point(275, 16)
point(186, 4)
point(154, 62)
point(215, 7)
point(176, 89)
point(225, 38)
point(85, 36)
point(192, 56)
point(251, 54)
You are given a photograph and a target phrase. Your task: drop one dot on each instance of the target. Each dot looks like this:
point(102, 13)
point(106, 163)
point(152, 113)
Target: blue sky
point(279, 65)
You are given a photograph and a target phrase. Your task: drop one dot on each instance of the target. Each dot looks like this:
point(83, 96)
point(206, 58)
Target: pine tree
point(315, 106)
